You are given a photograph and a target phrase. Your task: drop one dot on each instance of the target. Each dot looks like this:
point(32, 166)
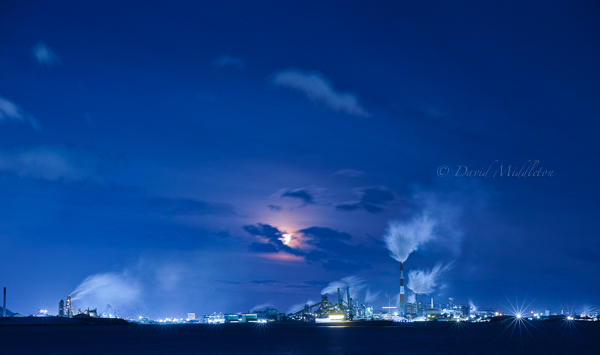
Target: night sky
point(158, 152)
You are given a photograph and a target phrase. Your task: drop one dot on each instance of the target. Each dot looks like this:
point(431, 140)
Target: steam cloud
point(472, 305)
point(424, 282)
point(299, 306)
point(371, 297)
point(355, 283)
point(402, 238)
point(110, 288)
point(262, 306)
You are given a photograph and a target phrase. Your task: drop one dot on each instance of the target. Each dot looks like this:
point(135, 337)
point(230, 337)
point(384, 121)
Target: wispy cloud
point(309, 195)
point(11, 112)
point(115, 288)
point(301, 194)
point(319, 89)
point(54, 163)
point(229, 61)
point(45, 56)
point(262, 306)
point(371, 199)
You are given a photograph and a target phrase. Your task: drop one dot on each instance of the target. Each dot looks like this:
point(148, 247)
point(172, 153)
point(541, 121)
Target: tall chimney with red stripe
point(402, 304)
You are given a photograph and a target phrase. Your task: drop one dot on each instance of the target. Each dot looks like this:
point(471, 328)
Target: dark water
point(430, 338)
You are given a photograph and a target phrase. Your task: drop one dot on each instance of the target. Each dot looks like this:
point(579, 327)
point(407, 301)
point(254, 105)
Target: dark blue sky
point(164, 149)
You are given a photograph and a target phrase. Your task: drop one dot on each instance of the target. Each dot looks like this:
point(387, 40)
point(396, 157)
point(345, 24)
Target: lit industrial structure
point(327, 312)
point(61, 308)
point(68, 310)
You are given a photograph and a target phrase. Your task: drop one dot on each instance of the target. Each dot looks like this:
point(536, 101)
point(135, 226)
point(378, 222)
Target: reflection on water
point(425, 338)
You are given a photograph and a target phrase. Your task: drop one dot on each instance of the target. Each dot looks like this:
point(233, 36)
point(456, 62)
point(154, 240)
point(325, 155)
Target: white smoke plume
point(472, 305)
point(300, 306)
point(262, 306)
point(424, 282)
point(355, 283)
point(371, 297)
point(101, 289)
point(402, 238)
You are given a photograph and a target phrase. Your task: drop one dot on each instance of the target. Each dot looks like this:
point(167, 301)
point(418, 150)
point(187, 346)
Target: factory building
point(68, 309)
point(232, 318)
point(61, 308)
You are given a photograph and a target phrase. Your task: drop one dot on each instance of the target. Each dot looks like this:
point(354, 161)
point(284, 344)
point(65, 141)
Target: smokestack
point(4, 304)
point(402, 304)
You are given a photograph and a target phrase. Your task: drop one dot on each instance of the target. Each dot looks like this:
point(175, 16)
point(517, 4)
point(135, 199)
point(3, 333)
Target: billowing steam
point(472, 305)
point(262, 306)
point(402, 238)
point(299, 306)
point(101, 289)
point(371, 297)
point(424, 282)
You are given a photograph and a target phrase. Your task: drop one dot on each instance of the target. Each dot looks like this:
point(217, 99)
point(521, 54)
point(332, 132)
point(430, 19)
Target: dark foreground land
point(423, 338)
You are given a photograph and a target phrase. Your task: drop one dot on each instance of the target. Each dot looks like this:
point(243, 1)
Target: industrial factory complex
point(343, 310)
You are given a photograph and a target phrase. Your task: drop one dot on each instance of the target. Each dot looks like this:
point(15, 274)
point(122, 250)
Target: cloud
point(55, 163)
point(318, 89)
point(229, 282)
point(325, 233)
point(229, 61)
point(350, 173)
point(186, 206)
point(45, 56)
point(301, 194)
point(316, 256)
point(264, 282)
point(11, 112)
point(332, 247)
point(371, 199)
point(274, 207)
point(273, 236)
point(328, 247)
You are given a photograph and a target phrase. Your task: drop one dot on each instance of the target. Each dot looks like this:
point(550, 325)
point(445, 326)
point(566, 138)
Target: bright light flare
point(519, 315)
point(287, 238)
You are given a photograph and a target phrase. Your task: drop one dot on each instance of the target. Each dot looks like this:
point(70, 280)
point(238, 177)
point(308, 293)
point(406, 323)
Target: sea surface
point(422, 338)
